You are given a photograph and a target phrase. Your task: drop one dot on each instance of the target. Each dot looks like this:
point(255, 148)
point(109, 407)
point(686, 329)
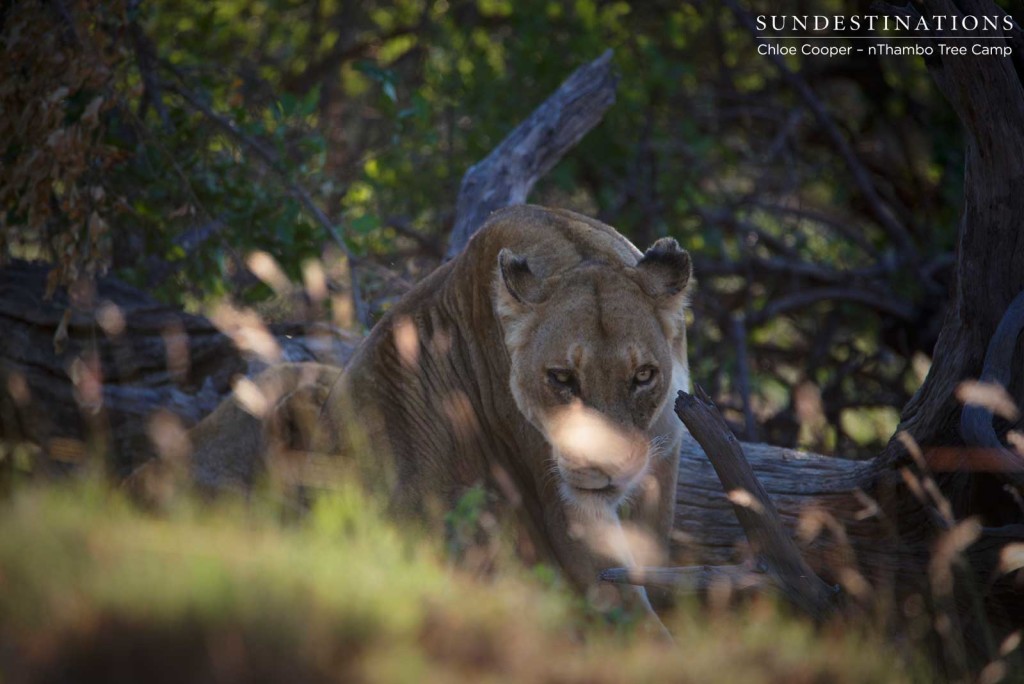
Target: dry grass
point(93, 589)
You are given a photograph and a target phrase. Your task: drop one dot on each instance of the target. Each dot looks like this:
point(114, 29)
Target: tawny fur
point(452, 388)
point(450, 385)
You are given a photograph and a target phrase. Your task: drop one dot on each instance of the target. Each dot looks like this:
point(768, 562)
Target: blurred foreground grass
point(92, 589)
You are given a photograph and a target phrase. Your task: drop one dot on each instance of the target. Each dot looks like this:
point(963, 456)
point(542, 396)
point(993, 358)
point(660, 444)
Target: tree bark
point(988, 97)
point(97, 362)
point(752, 506)
point(506, 175)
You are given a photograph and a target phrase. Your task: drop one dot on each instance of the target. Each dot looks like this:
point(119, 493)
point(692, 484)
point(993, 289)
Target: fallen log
point(95, 363)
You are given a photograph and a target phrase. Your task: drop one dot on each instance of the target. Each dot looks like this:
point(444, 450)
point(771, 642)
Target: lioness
point(541, 360)
point(547, 351)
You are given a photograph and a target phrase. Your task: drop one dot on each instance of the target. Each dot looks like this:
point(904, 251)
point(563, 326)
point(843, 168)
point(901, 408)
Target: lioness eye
point(645, 375)
point(561, 378)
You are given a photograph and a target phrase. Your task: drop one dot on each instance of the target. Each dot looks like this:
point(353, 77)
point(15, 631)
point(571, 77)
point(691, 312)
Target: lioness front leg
point(588, 542)
point(655, 503)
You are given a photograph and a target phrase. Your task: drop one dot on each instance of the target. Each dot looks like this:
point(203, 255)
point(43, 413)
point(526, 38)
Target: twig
point(344, 52)
point(145, 61)
point(844, 229)
point(788, 268)
point(798, 300)
point(402, 226)
point(508, 173)
point(296, 190)
point(728, 219)
point(739, 334)
point(695, 579)
point(158, 270)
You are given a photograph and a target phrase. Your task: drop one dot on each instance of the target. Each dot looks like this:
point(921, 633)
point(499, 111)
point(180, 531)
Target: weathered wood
point(753, 507)
point(143, 355)
point(987, 94)
point(976, 421)
point(506, 175)
point(693, 579)
point(708, 532)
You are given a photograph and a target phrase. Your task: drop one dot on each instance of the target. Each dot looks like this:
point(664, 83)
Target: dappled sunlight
point(407, 342)
point(169, 437)
point(208, 209)
point(247, 330)
point(1011, 557)
point(18, 388)
point(1016, 440)
point(345, 594)
point(744, 499)
point(87, 378)
point(266, 268)
point(250, 397)
point(947, 551)
point(110, 319)
point(462, 417)
point(591, 451)
point(989, 395)
point(314, 279)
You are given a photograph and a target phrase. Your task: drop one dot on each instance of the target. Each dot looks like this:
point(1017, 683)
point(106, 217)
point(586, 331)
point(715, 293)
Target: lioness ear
point(518, 280)
point(665, 269)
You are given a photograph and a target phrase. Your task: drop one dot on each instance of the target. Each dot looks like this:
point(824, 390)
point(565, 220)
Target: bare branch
point(695, 579)
point(848, 231)
point(860, 174)
point(754, 509)
point(788, 268)
point(884, 303)
point(145, 61)
point(976, 420)
point(739, 334)
point(506, 175)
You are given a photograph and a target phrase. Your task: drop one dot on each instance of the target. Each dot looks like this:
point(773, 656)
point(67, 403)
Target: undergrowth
point(92, 588)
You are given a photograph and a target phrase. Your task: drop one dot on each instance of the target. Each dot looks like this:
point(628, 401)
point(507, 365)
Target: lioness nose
point(594, 453)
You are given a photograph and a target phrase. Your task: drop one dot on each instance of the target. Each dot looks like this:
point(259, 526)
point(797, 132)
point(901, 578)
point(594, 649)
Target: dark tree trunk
point(987, 95)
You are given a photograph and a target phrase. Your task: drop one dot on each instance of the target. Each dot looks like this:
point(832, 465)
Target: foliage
point(201, 592)
point(197, 120)
point(57, 86)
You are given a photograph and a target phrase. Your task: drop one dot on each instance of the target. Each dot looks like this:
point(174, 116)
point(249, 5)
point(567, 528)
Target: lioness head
point(591, 362)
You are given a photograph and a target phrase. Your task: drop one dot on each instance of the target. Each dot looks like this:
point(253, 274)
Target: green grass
point(92, 588)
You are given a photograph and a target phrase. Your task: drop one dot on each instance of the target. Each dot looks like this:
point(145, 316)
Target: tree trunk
point(987, 95)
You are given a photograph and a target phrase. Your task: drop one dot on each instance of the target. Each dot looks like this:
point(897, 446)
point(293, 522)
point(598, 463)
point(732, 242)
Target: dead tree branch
point(506, 175)
point(753, 507)
point(976, 421)
point(696, 579)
